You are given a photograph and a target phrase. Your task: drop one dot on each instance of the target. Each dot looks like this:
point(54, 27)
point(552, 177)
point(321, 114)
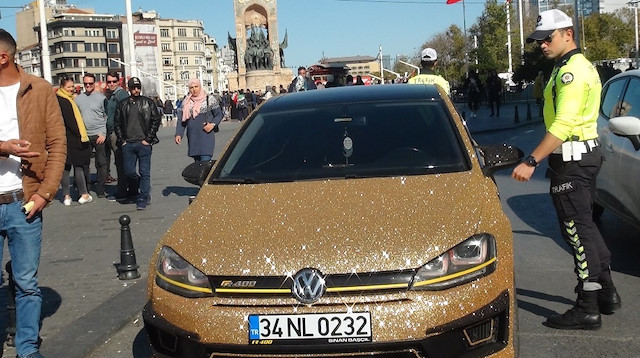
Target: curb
point(82, 337)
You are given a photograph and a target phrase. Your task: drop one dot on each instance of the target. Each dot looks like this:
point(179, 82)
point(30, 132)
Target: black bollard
point(528, 112)
point(516, 118)
point(11, 308)
point(128, 268)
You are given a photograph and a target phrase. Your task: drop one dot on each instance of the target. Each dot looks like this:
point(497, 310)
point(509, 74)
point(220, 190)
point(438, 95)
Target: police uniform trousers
point(572, 188)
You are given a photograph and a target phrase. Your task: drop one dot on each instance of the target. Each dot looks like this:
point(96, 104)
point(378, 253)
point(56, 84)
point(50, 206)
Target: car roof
point(634, 73)
point(352, 94)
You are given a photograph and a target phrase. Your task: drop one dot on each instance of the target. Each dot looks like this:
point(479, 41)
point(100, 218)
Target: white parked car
point(617, 186)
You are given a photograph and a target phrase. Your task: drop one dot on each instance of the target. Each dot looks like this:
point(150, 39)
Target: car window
point(342, 141)
point(631, 104)
point(611, 101)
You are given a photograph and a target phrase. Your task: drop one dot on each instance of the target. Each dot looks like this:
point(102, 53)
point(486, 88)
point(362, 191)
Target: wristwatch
point(531, 161)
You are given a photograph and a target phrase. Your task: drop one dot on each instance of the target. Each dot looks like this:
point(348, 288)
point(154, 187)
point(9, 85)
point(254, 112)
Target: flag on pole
point(449, 2)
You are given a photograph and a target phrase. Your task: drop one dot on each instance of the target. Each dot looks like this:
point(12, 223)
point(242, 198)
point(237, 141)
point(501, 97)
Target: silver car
point(619, 129)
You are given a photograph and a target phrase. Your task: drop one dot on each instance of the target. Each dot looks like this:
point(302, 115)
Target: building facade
point(168, 52)
point(359, 65)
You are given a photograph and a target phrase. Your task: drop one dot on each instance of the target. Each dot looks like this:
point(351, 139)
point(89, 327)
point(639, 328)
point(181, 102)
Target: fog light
point(482, 332)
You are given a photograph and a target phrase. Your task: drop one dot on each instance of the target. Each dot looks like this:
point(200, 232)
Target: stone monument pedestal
point(260, 79)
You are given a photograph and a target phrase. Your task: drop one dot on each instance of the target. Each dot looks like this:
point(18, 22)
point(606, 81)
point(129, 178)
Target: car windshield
point(345, 141)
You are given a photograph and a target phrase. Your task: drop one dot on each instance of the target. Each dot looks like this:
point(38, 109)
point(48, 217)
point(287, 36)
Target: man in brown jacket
point(33, 150)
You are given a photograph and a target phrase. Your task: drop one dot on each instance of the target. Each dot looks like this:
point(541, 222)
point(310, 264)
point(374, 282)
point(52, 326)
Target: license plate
point(322, 328)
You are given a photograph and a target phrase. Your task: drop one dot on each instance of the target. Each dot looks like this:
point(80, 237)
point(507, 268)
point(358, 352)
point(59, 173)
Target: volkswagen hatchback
point(348, 222)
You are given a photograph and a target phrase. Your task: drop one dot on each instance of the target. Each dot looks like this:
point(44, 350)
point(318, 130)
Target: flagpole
point(466, 53)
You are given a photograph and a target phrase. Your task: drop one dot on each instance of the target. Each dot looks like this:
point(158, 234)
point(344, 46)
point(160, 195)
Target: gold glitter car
point(347, 222)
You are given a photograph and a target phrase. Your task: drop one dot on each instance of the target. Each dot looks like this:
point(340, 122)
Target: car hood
point(336, 226)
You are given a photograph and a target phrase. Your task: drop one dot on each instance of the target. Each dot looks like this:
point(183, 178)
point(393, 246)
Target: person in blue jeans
point(33, 150)
point(136, 123)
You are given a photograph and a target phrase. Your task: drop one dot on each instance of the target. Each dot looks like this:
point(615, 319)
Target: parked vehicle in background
point(354, 221)
point(617, 186)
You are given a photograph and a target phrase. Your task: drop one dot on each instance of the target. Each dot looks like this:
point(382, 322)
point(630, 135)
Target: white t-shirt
point(10, 173)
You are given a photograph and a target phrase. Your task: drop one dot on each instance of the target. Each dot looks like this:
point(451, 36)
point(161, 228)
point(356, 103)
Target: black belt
point(14, 196)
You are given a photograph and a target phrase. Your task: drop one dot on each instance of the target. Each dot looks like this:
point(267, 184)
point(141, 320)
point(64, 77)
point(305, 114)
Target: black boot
point(584, 315)
point(608, 298)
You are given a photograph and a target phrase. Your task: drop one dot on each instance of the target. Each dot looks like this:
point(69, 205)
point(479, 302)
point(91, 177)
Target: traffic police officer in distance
point(571, 104)
point(429, 58)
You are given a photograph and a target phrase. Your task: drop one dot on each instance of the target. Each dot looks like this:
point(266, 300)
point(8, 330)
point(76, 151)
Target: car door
point(627, 158)
point(607, 188)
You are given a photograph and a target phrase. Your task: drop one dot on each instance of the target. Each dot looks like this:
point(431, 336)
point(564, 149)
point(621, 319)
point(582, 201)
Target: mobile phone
point(26, 208)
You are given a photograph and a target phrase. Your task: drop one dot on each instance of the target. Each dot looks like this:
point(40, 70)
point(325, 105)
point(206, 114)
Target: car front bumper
point(485, 332)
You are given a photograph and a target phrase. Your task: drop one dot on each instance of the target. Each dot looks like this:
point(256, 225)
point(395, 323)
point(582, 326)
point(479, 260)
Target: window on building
point(87, 47)
point(92, 32)
point(164, 32)
point(182, 32)
point(198, 61)
point(104, 63)
point(167, 61)
point(197, 33)
point(112, 33)
point(113, 48)
point(184, 60)
point(197, 46)
point(166, 46)
point(168, 76)
point(182, 46)
point(184, 75)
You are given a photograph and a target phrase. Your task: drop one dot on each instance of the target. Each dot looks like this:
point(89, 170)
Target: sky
point(316, 28)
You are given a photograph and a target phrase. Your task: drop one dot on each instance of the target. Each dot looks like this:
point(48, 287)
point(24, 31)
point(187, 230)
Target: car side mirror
point(628, 127)
point(196, 173)
point(499, 157)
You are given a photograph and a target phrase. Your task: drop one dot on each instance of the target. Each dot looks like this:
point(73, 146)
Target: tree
point(450, 48)
point(607, 36)
point(491, 31)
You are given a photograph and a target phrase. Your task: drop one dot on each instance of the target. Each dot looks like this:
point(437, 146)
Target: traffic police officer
point(429, 57)
point(571, 104)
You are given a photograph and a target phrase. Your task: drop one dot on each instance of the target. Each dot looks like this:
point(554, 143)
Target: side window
point(612, 99)
point(631, 103)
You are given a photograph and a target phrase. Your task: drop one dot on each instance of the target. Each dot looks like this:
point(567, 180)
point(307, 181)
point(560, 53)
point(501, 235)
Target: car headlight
point(176, 275)
point(467, 261)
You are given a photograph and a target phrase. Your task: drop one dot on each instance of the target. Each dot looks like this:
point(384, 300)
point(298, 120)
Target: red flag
point(449, 2)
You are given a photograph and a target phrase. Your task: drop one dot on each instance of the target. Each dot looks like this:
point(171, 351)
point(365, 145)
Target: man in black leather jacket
point(136, 123)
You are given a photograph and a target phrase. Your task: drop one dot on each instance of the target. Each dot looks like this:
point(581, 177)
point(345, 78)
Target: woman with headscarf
point(78, 148)
point(201, 115)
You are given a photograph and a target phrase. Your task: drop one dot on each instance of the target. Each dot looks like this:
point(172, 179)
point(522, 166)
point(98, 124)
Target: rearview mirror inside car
point(196, 173)
point(628, 127)
point(498, 157)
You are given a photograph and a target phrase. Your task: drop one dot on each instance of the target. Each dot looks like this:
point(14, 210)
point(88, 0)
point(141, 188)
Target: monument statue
point(259, 53)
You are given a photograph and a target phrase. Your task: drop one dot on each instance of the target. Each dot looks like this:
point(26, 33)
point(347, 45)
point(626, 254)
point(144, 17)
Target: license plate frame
point(310, 328)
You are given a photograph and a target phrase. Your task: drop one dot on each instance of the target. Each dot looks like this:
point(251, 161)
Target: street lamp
point(635, 5)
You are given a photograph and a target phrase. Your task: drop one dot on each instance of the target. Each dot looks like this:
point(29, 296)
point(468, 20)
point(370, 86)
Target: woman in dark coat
point(78, 148)
point(201, 115)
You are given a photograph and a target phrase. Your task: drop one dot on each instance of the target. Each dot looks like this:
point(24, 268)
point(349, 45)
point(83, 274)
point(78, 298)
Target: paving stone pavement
point(84, 301)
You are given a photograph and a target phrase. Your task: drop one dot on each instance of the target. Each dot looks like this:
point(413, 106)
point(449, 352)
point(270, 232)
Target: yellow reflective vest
point(572, 99)
point(430, 78)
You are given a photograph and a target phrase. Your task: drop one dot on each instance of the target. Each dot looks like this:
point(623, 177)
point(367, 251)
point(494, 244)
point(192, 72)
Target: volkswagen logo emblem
point(308, 285)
